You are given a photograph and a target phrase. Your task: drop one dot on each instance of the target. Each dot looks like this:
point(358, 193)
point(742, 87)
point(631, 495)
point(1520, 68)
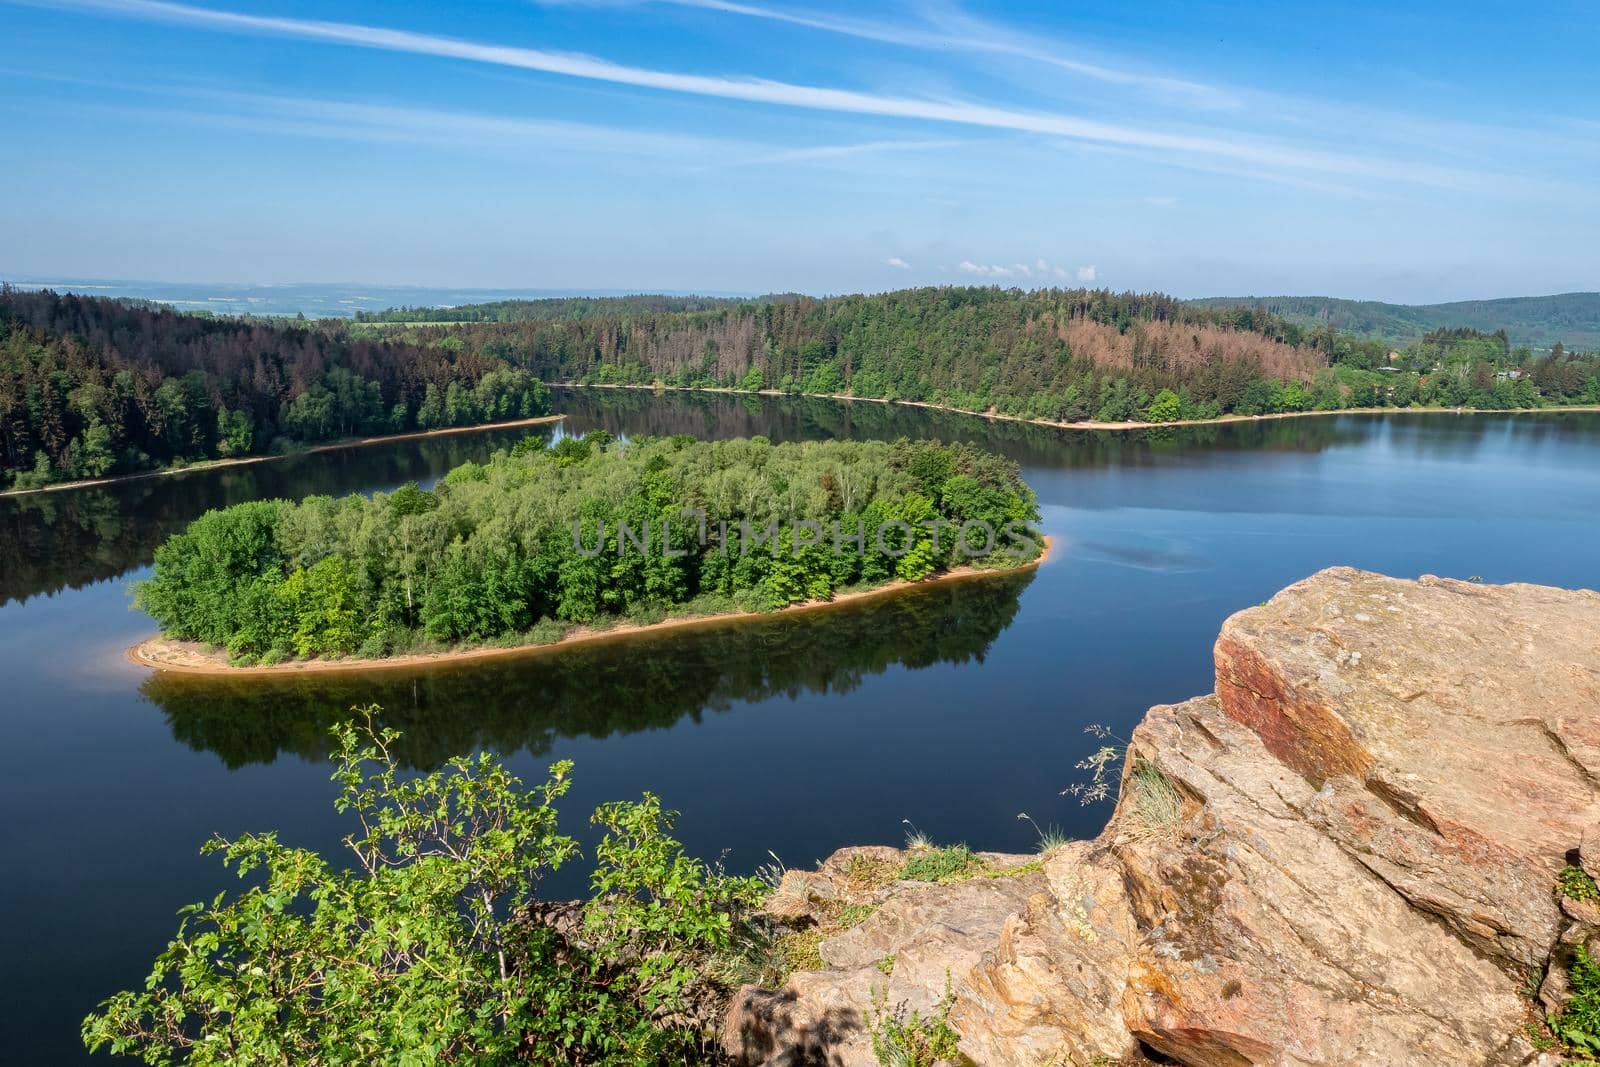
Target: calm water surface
point(956, 707)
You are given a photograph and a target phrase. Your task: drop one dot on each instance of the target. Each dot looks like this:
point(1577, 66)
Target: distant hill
point(1538, 321)
point(314, 300)
point(555, 309)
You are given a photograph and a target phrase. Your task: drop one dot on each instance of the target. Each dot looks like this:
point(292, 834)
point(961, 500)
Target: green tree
point(323, 604)
point(430, 415)
point(90, 456)
point(1166, 407)
point(1258, 398)
point(235, 433)
point(199, 573)
point(432, 945)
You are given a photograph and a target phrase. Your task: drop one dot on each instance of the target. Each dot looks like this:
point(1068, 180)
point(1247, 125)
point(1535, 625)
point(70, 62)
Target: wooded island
point(590, 532)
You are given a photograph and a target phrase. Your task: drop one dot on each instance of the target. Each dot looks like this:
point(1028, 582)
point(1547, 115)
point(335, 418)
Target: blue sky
point(1415, 152)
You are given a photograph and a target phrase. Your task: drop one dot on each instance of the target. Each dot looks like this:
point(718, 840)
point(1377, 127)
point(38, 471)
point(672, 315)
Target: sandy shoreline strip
point(331, 446)
point(994, 416)
point(188, 657)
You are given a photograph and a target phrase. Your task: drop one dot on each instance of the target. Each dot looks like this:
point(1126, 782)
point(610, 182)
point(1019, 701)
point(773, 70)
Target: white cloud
point(765, 91)
point(897, 263)
point(1039, 268)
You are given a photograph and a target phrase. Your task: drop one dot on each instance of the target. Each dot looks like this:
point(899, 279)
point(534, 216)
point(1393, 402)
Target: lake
point(955, 707)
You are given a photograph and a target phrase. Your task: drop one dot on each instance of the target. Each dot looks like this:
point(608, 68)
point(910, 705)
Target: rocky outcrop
point(1347, 855)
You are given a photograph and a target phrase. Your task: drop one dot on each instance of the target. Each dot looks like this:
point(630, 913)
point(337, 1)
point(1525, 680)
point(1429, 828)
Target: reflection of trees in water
point(69, 538)
point(597, 690)
point(638, 411)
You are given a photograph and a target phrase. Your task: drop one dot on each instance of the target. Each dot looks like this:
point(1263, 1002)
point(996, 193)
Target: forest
point(1572, 319)
point(1058, 355)
point(538, 539)
point(93, 387)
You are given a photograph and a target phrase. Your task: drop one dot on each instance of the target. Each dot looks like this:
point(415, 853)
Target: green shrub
point(432, 945)
point(900, 1039)
point(1575, 882)
point(546, 632)
point(1578, 1025)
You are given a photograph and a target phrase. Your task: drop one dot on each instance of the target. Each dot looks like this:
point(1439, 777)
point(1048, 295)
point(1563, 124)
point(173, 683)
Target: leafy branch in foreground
point(433, 945)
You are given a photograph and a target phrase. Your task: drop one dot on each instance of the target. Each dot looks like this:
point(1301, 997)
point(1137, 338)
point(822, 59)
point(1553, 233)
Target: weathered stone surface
point(1347, 855)
point(1456, 725)
point(1050, 991)
point(966, 913)
point(919, 941)
point(1265, 941)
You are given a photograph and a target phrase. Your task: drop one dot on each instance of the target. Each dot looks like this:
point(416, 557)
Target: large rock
point(1265, 941)
point(1454, 728)
point(1347, 855)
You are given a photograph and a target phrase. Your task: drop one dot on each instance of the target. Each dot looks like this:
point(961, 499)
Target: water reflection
point(806, 418)
point(67, 538)
point(598, 690)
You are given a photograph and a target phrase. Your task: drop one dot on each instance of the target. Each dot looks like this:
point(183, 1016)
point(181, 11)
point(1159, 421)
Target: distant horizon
point(533, 292)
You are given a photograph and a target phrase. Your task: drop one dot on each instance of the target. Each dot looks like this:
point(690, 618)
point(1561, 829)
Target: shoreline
point(186, 657)
point(242, 461)
point(1086, 424)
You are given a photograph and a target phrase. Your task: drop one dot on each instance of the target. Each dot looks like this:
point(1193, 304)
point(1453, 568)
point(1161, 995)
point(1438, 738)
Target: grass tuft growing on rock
point(951, 863)
point(1154, 805)
point(1051, 839)
point(864, 874)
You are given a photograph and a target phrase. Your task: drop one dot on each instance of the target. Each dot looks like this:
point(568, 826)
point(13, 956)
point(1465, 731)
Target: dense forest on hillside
point(91, 387)
point(588, 530)
point(1051, 353)
point(1573, 319)
point(1061, 355)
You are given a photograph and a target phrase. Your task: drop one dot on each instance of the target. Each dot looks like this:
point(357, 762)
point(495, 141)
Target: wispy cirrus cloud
point(897, 263)
point(823, 153)
point(365, 121)
point(1204, 144)
point(951, 30)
